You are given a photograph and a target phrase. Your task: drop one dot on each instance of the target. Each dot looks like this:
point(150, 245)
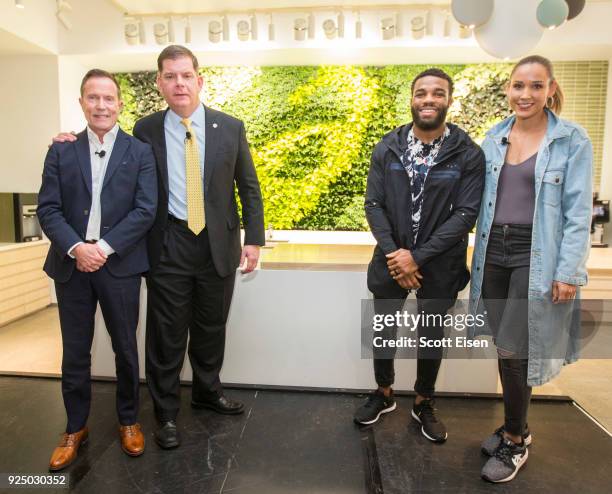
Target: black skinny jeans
point(428, 359)
point(505, 289)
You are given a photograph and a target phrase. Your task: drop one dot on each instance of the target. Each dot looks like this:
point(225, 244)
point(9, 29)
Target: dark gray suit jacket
point(227, 164)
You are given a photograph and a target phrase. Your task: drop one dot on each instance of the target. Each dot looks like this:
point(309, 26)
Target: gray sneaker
point(505, 462)
point(491, 443)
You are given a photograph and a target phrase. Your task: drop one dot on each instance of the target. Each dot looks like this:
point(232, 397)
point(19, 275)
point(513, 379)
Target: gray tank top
point(516, 193)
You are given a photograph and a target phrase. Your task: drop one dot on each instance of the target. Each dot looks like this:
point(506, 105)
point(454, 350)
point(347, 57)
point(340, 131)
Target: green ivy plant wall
point(312, 129)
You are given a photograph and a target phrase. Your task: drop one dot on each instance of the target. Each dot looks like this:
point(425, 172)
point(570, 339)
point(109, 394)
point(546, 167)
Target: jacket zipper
point(423, 202)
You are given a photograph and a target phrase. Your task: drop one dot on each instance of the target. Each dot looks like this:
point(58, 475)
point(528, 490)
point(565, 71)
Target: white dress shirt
point(98, 171)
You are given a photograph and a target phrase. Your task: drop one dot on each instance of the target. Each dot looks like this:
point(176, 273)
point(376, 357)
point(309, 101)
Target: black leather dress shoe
point(221, 404)
point(167, 435)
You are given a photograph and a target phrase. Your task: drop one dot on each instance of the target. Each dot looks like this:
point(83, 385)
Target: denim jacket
point(560, 239)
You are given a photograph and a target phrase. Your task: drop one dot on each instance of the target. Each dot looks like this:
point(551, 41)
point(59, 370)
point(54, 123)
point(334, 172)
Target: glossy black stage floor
point(300, 442)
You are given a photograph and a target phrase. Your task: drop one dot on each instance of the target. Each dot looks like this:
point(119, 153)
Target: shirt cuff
point(107, 249)
point(72, 248)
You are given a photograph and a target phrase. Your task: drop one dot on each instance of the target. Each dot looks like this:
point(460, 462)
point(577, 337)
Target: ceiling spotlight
point(300, 26)
point(387, 26)
point(271, 30)
point(465, 31)
point(215, 30)
point(160, 31)
point(171, 37)
point(226, 29)
point(63, 8)
point(311, 26)
point(254, 28)
point(399, 24)
point(358, 27)
point(330, 29)
point(447, 25)
point(341, 25)
point(61, 16)
point(417, 27)
point(244, 30)
point(188, 30)
point(429, 23)
point(132, 33)
point(19, 4)
point(142, 36)
point(247, 30)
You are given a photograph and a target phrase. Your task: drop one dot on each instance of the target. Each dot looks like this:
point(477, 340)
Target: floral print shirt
point(417, 160)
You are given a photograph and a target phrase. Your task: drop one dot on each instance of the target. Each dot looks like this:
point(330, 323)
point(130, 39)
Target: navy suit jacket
point(128, 202)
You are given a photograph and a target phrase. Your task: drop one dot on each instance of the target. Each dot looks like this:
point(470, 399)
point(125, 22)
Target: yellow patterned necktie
point(193, 178)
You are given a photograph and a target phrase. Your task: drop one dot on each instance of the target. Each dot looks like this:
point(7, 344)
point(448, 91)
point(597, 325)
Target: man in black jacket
point(423, 196)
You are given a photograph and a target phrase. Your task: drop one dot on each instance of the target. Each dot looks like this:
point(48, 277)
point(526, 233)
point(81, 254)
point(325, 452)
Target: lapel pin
point(215, 125)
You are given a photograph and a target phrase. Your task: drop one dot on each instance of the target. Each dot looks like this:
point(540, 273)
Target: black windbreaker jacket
point(451, 202)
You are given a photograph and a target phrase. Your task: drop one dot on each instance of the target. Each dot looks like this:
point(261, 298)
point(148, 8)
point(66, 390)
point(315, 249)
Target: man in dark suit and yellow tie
point(96, 204)
point(202, 156)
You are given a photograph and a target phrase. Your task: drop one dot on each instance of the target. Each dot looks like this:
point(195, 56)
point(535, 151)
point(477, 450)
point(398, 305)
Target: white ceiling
point(178, 6)
point(14, 45)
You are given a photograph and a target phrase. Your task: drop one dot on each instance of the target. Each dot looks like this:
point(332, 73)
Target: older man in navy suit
point(97, 201)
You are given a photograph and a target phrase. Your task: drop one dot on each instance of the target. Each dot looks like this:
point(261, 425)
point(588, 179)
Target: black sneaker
point(431, 427)
point(371, 410)
point(505, 462)
point(491, 443)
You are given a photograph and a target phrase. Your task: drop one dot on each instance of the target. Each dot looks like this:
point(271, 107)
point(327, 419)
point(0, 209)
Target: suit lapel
point(82, 150)
point(158, 142)
point(211, 139)
point(122, 143)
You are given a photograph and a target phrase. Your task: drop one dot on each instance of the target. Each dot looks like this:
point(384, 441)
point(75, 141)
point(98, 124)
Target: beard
point(429, 124)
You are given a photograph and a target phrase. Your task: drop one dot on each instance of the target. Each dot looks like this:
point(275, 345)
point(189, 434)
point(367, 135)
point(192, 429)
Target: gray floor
point(299, 442)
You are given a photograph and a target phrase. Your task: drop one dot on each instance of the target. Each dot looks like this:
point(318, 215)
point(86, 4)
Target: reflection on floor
point(290, 442)
point(32, 346)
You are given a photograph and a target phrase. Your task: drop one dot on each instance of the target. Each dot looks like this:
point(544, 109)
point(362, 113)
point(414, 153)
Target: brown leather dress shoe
point(132, 439)
point(67, 450)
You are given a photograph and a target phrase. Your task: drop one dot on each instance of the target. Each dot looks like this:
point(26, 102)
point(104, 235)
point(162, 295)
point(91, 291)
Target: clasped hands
point(89, 257)
point(404, 270)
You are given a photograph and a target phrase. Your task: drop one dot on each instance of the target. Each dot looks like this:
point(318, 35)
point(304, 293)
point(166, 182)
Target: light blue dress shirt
point(175, 151)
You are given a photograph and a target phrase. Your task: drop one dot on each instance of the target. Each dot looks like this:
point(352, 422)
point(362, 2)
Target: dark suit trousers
point(186, 297)
point(77, 301)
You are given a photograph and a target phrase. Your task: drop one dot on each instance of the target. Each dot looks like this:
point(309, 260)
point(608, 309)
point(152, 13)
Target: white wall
point(70, 74)
point(30, 107)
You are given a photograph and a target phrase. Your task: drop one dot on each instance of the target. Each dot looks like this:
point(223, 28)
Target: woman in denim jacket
point(532, 244)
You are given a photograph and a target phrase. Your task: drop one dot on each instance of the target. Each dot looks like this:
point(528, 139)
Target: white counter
point(24, 286)
point(301, 327)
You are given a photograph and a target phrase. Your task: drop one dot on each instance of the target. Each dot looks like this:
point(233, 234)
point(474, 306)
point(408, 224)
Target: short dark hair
point(100, 73)
point(435, 73)
point(173, 52)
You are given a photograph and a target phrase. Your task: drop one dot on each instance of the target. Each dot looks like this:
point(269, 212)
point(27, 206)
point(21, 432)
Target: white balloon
point(513, 29)
point(472, 12)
